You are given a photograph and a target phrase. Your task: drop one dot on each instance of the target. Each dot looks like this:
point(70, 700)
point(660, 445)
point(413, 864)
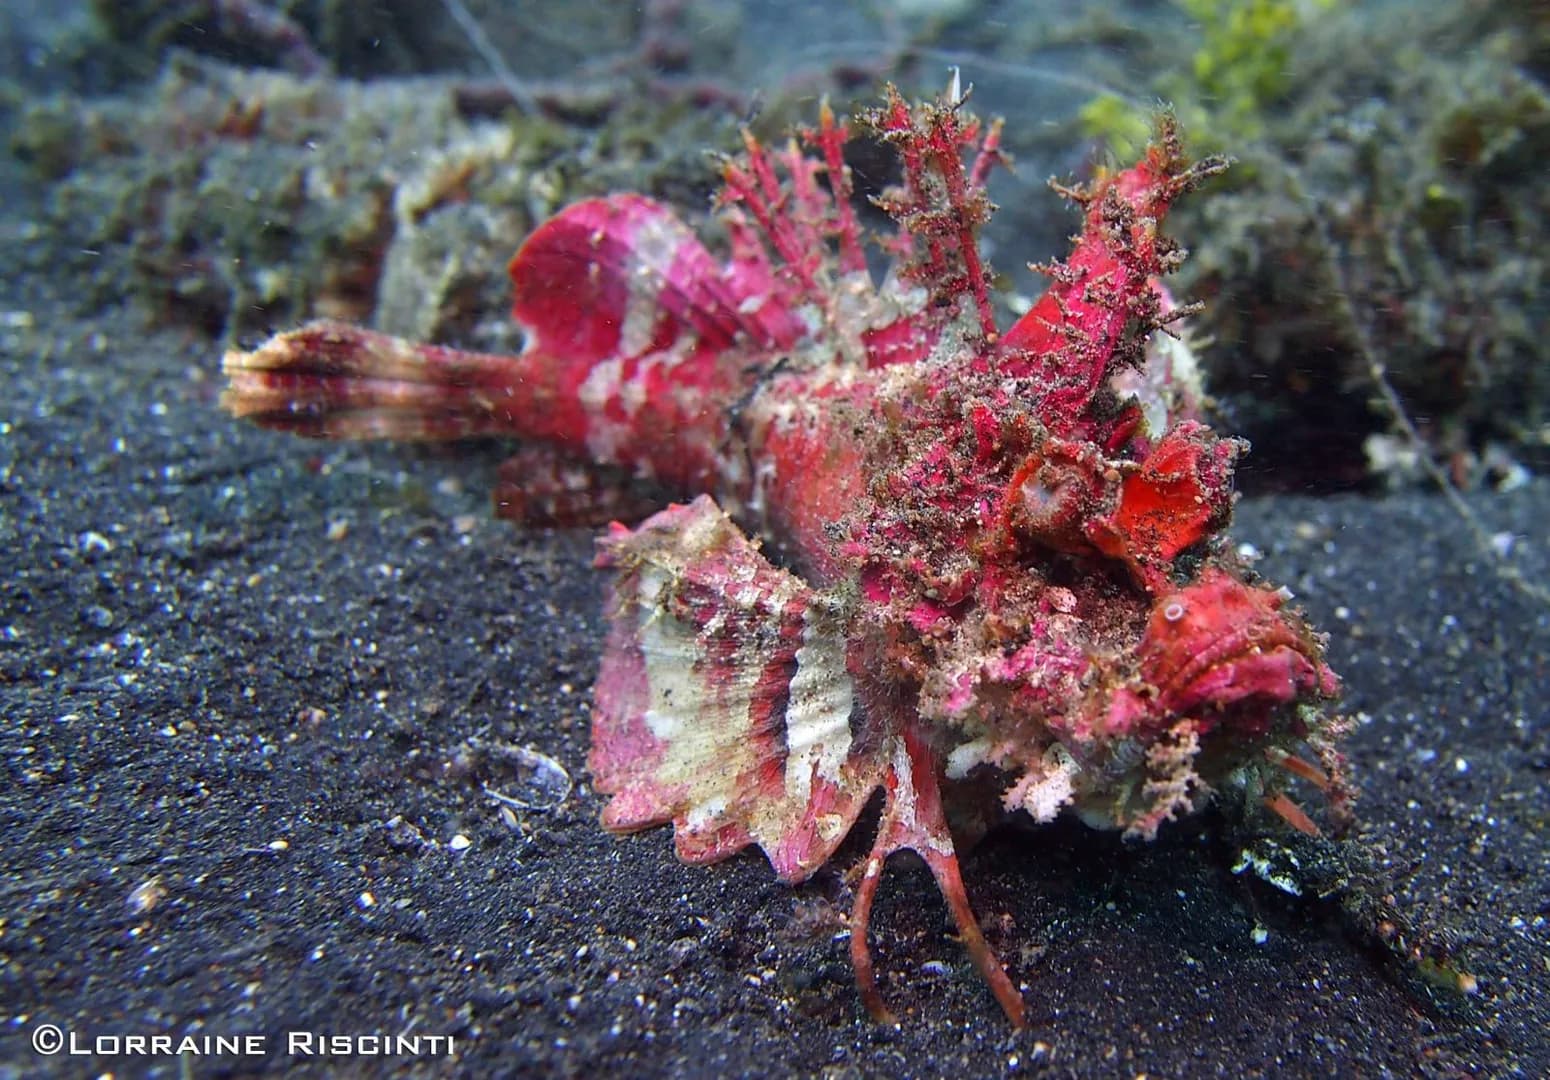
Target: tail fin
point(334, 381)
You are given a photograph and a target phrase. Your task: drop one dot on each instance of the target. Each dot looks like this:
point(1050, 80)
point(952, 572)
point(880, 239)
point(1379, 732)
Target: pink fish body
point(980, 572)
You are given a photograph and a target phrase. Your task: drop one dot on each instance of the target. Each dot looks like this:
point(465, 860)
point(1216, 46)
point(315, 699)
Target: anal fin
point(544, 487)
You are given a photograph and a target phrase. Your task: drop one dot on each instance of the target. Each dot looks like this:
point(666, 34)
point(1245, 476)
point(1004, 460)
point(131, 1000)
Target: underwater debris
point(974, 570)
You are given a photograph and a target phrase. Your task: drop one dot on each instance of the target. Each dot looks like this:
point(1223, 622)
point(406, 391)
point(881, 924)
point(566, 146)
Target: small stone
point(146, 895)
point(524, 778)
point(98, 616)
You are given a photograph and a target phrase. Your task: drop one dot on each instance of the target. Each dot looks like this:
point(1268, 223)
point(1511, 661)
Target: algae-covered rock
point(1386, 213)
point(235, 200)
point(1407, 193)
point(385, 37)
point(241, 201)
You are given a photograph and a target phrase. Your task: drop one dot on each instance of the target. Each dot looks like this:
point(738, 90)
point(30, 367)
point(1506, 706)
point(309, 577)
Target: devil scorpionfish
point(981, 572)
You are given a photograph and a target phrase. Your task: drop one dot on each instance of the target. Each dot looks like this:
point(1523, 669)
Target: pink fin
point(623, 276)
point(913, 818)
point(723, 703)
point(1180, 494)
point(1082, 329)
point(639, 343)
point(542, 487)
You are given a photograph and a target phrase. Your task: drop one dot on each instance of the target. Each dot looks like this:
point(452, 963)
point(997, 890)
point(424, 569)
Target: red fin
point(1180, 494)
point(1078, 333)
point(623, 276)
point(1291, 813)
point(723, 703)
point(941, 203)
point(1300, 767)
point(914, 819)
point(639, 343)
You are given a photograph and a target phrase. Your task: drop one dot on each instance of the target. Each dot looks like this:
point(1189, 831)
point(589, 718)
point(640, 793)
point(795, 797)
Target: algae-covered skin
point(234, 200)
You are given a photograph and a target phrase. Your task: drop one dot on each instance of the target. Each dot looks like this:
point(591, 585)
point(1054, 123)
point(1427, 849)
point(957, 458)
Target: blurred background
point(1372, 269)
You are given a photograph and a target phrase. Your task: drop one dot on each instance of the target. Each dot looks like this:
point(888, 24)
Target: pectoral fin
point(723, 703)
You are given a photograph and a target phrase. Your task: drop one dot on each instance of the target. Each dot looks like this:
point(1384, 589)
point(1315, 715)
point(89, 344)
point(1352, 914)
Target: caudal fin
point(335, 381)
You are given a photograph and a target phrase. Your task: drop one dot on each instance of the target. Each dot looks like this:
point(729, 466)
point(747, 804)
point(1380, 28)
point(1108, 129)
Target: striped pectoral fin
point(723, 703)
